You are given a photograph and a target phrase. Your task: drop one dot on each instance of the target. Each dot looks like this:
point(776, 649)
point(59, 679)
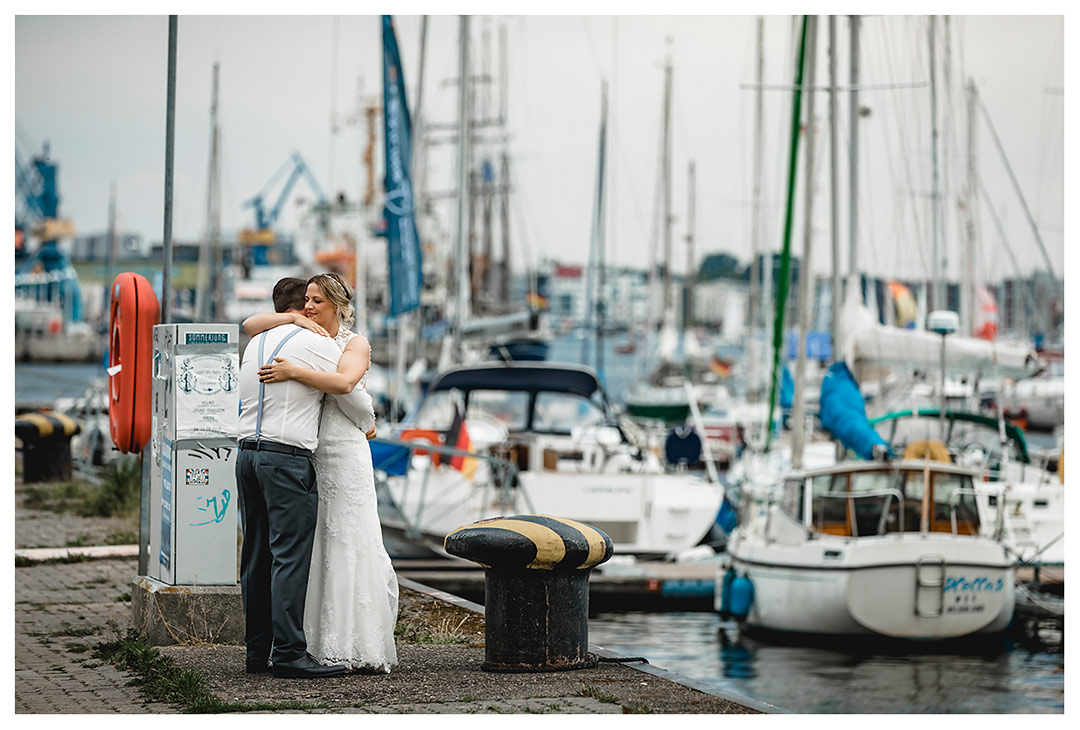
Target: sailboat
point(891, 548)
point(680, 359)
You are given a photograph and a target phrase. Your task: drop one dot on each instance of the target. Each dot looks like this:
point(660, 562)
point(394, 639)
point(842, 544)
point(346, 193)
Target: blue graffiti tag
point(212, 502)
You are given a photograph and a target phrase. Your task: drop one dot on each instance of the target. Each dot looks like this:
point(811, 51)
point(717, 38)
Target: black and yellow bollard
point(536, 584)
point(46, 445)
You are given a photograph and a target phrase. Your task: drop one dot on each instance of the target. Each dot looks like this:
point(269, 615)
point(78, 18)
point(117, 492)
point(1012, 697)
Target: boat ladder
point(930, 579)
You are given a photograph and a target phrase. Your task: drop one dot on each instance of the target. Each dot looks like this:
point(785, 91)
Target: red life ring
point(133, 312)
point(424, 434)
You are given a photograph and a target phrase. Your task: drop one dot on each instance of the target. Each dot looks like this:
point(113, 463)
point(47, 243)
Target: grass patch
point(587, 690)
point(117, 496)
point(162, 681)
point(468, 698)
point(407, 631)
point(124, 598)
point(73, 631)
point(76, 648)
point(122, 538)
point(634, 708)
point(80, 541)
point(21, 562)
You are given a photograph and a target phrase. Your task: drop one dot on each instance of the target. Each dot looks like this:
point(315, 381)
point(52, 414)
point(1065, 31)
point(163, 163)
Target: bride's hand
point(277, 372)
point(302, 321)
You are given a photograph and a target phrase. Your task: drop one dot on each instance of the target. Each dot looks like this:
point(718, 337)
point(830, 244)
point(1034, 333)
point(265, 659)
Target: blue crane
point(264, 219)
point(36, 186)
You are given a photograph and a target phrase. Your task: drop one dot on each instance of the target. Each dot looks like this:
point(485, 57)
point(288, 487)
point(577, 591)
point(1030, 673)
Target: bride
point(352, 593)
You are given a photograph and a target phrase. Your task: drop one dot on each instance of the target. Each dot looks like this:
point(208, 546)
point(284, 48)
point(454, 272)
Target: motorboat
point(504, 438)
point(893, 549)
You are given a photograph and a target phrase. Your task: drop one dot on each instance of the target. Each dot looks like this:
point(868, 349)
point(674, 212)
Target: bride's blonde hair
point(338, 292)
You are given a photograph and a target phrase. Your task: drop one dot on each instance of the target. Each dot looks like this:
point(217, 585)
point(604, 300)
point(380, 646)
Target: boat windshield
point(560, 412)
point(961, 435)
point(508, 407)
point(891, 501)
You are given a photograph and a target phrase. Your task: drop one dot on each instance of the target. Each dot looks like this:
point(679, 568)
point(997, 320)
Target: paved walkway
point(62, 610)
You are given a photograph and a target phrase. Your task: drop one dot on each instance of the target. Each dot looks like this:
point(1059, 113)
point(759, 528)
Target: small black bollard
point(46, 439)
point(536, 588)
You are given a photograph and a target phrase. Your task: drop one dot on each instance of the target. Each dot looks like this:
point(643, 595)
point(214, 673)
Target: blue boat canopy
point(842, 411)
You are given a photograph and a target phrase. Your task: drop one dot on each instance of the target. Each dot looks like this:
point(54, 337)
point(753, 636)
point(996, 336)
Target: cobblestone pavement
point(61, 611)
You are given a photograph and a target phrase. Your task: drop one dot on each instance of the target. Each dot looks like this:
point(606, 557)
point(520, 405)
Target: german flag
point(458, 437)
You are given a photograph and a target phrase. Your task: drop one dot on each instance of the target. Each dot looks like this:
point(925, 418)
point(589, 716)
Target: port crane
point(262, 234)
point(37, 212)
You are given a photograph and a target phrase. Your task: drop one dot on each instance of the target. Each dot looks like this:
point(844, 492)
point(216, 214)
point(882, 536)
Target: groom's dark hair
point(289, 294)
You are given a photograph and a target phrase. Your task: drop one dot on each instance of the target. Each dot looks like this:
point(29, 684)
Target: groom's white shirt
point(291, 409)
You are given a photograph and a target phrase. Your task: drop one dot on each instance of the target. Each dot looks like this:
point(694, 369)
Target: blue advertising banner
point(403, 242)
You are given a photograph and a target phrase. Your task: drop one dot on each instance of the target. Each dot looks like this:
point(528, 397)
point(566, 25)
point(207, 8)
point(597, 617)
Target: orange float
point(423, 434)
point(133, 312)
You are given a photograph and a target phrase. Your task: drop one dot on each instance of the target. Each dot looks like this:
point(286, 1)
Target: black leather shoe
point(258, 665)
point(305, 668)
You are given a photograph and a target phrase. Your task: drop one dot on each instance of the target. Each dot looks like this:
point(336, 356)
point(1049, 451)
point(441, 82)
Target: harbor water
point(1023, 672)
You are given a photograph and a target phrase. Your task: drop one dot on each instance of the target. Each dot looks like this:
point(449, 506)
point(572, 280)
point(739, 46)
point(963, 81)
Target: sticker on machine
point(198, 477)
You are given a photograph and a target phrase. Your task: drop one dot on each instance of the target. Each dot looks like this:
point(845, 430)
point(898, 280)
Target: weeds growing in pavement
point(162, 681)
point(412, 632)
point(587, 690)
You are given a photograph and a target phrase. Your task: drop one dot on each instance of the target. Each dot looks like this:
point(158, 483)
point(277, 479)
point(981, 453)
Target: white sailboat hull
point(910, 586)
point(642, 513)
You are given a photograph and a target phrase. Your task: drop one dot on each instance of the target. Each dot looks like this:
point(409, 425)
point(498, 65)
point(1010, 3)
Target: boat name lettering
point(976, 585)
point(609, 490)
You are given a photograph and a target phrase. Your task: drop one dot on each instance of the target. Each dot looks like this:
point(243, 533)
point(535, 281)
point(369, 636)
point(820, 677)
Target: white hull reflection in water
point(1020, 673)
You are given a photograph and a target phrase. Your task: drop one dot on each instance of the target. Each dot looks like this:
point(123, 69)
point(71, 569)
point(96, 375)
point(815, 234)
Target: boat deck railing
point(500, 480)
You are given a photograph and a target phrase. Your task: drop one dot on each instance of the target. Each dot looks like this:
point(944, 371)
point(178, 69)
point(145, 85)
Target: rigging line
point(905, 200)
point(1029, 298)
point(1016, 185)
point(592, 46)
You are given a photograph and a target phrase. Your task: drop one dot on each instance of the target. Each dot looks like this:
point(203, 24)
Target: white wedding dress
point(352, 594)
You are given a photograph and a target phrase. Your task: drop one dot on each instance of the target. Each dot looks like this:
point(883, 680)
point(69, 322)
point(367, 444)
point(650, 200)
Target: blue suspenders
point(262, 385)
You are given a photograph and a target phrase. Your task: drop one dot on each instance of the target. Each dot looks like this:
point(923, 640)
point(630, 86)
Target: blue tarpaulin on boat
point(787, 389)
point(390, 458)
point(842, 411)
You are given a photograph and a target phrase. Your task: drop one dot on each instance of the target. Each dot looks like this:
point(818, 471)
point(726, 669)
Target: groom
point(279, 499)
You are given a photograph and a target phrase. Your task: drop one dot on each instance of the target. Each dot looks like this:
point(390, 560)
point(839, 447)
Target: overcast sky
point(94, 87)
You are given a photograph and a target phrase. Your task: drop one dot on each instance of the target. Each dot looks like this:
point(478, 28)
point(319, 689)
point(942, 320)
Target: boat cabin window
point(437, 411)
point(868, 510)
point(829, 513)
point(508, 407)
point(954, 490)
point(558, 413)
point(791, 501)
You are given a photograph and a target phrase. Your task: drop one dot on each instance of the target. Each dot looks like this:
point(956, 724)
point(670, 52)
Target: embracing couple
point(319, 592)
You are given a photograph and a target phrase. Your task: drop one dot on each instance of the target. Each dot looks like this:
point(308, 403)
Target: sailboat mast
point(666, 176)
point(110, 253)
point(758, 284)
point(461, 313)
point(782, 281)
point(853, 170)
point(834, 202)
point(207, 298)
point(691, 274)
point(806, 275)
point(599, 230)
point(967, 307)
point(938, 302)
